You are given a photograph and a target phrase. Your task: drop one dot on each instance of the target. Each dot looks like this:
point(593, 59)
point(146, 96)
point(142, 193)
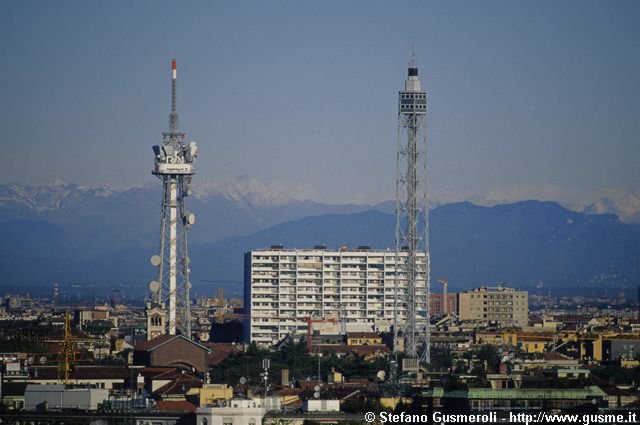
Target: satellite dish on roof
point(43, 360)
point(381, 375)
point(156, 260)
point(243, 380)
point(154, 286)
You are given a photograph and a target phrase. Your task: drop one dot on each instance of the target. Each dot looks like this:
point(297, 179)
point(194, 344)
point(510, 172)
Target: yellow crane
point(67, 353)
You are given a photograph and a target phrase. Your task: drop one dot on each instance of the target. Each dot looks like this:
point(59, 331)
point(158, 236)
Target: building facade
point(505, 306)
point(286, 288)
point(437, 305)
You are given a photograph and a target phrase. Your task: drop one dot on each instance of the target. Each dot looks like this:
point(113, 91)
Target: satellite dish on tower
point(154, 286)
point(243, 380)
point(316, 394)
point(381, 375)
point(156, 260)
point(43, 360)
point(316, 388)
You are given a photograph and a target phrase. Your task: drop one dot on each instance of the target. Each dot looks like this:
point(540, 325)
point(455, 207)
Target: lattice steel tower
point(411, 313)
point(174, 166)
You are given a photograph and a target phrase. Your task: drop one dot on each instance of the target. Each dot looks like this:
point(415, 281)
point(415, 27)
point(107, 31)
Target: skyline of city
point(279, 310)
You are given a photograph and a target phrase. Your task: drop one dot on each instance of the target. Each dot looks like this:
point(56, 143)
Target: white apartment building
point(285, 288)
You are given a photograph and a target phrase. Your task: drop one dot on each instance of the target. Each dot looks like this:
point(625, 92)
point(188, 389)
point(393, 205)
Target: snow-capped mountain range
point(106, 219)
point(23, 201)
point(68, 232)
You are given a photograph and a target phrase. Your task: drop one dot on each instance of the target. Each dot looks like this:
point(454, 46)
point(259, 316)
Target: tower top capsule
point(412, 83)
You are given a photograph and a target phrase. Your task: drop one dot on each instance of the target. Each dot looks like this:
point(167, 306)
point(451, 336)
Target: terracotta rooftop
point(555, 356)
point(175, 406)
point(160, 372)
point(221, 351)
point(160, 340)
point(153, 343)
point(288, 391)
point(180, 384)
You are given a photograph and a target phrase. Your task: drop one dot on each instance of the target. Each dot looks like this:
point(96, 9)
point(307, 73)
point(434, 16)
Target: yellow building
point(491, 338)
point(505, 306)
point(211, 393)
point(392, 402)
point(363, 338)
point(532, 343)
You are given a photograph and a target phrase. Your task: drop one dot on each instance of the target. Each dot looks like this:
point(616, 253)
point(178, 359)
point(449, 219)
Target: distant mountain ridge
point(70, 233)
point(520, 244)
point(100, 220)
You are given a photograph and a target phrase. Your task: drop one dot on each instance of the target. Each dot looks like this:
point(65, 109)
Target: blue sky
point(522, 95)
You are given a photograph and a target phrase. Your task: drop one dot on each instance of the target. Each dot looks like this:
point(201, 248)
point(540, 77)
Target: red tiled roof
point(153, 343)
point(288, 391)
point(175, 405)
point(308, 385)
point(180, 384)
point(160, 372)
point(555, 356)
point(162, 339)
point(220, 351)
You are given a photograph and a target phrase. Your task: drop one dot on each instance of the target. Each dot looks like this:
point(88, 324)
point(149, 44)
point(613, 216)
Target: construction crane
point(220, 304)
point(445, 299)
point(67, 353)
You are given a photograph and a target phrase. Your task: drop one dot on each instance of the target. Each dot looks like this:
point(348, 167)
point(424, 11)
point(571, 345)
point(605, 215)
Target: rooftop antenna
point(266, 363)
point(413, 62)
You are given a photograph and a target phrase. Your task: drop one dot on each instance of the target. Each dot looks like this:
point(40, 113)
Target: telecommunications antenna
point(154, 286)
point(174, 165)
